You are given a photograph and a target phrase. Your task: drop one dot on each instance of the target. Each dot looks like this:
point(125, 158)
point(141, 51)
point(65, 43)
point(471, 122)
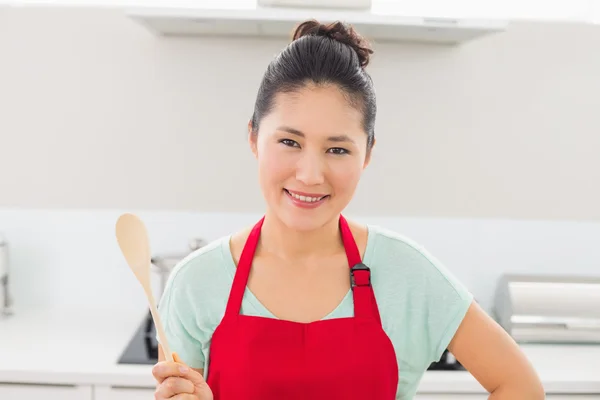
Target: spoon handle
point(159, 327)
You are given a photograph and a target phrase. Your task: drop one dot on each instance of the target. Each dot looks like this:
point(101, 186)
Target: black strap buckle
point(359, 267)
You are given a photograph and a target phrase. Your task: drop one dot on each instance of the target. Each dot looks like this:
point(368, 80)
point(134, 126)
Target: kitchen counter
point(81, 347)
point(70, 347)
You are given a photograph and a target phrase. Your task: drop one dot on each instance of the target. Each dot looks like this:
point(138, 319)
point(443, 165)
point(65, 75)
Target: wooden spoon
point(135, 246)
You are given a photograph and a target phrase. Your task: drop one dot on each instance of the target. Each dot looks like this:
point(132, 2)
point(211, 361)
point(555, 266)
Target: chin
point(305, 220)
point(302, 223)
point(302, 218)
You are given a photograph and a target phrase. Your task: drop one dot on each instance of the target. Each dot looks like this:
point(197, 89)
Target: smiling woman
point(306, 304)
point(322, 157)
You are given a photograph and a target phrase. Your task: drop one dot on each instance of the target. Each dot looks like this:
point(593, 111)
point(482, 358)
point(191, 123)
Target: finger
point(192, 375)
point(165, 369)
point(184, 397)
point(173, 386)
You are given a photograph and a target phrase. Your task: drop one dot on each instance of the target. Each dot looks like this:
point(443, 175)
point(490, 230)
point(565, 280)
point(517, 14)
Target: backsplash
point(70, 258)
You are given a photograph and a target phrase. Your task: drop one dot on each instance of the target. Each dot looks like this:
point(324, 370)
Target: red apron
point(260, 358)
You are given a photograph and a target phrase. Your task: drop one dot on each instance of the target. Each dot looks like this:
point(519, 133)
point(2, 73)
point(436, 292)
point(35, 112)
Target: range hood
point(261, 21)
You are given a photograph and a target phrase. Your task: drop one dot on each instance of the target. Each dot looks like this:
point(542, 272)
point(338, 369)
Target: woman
point(308, 305)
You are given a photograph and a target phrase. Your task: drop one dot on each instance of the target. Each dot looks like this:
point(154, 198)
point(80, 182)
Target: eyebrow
point(336, 138)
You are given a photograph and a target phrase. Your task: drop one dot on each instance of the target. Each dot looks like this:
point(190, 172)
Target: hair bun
point(340, 32)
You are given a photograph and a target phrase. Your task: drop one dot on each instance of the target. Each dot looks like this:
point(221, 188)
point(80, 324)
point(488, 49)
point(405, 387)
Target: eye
point(339, 151)
point(289, 142)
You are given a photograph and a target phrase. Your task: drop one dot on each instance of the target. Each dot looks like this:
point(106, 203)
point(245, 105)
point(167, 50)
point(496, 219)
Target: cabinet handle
point(58, 385)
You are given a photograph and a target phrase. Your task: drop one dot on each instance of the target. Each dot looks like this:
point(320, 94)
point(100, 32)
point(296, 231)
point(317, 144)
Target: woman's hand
point(177, 381)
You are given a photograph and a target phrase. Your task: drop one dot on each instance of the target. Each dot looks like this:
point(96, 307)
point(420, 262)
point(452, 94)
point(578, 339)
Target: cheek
point(345, 176)
point(275, 166)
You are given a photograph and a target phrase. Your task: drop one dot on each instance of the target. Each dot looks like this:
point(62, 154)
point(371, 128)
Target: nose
point(310, 169)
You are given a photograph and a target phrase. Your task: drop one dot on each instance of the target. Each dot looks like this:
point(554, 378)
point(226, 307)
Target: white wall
point(70, 258)
point(98, 113)
point(487, 153)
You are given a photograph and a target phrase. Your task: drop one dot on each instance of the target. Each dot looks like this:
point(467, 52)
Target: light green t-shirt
point(420, 302)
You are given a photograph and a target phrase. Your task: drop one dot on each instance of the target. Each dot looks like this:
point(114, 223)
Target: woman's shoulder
point(209, 269)
point(401, 254)
point(418, 293)
point(203, 276)
point(394, 241)
point(205, 260)
point(402, 261)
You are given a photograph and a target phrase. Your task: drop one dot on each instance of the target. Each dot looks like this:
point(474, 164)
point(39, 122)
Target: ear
point(368, 156)
point(252, 139)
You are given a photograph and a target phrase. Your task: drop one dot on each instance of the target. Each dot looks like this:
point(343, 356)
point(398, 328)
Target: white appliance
point(343, 4)
point(548, 308)
point(5, 300)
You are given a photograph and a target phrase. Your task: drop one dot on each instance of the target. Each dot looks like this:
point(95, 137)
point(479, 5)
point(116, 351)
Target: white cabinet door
point(573, 396)
point(123, 393)
point(18, 391)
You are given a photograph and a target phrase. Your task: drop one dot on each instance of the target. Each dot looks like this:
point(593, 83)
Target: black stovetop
point(143, 349)
point(143, 346)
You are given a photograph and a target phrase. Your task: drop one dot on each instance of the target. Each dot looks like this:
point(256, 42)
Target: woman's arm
point(494, 359)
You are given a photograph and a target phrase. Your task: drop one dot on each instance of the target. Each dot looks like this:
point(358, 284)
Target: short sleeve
point(180, 324)
point(194, 301)
point(448, 303)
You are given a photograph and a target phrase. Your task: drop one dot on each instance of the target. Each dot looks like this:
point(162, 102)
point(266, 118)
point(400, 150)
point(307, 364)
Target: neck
point(289, 244)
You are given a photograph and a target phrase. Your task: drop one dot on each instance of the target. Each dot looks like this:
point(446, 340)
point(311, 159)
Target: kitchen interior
point(487, 155)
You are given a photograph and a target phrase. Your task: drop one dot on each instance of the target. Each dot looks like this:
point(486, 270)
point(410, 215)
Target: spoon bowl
point(132, 238)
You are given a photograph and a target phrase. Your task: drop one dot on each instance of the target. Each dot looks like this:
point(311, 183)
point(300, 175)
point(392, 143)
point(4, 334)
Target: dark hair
point(321, 54)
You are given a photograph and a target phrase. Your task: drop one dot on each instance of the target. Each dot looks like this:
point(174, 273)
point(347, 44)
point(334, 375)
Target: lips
point(304, 197)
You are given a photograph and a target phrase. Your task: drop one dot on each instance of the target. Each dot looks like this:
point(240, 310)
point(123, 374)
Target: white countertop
point(83, 346)
point(70, 347)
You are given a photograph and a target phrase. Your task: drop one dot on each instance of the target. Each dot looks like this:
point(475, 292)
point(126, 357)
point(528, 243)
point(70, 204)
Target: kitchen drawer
point(123, 393)
point(24, 391)
point(573, 396)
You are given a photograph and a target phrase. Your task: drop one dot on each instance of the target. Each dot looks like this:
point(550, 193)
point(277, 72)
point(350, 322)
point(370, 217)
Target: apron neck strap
point(350, 246)
point(240, 280)
point(365, 305)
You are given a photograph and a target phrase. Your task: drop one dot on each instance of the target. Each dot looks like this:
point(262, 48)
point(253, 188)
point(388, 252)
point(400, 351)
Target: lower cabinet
point(23, 391)
point(123, 393)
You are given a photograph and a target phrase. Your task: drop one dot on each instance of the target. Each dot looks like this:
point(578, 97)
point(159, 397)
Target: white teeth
point(305, 198)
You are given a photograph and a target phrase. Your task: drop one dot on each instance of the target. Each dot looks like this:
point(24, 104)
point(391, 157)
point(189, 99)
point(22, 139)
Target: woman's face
point(311, 151)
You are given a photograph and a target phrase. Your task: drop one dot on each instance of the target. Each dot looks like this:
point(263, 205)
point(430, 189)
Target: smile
point(305, 198)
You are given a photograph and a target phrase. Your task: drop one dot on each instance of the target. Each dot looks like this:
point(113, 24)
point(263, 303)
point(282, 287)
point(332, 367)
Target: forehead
point(318, 109)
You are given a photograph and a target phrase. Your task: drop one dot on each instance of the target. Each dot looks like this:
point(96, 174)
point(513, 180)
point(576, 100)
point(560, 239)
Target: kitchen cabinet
point(123, 393)
point(24, 391)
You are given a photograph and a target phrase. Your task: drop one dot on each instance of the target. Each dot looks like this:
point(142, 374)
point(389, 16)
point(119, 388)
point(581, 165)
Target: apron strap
point(365, 304)
point(240, 279)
